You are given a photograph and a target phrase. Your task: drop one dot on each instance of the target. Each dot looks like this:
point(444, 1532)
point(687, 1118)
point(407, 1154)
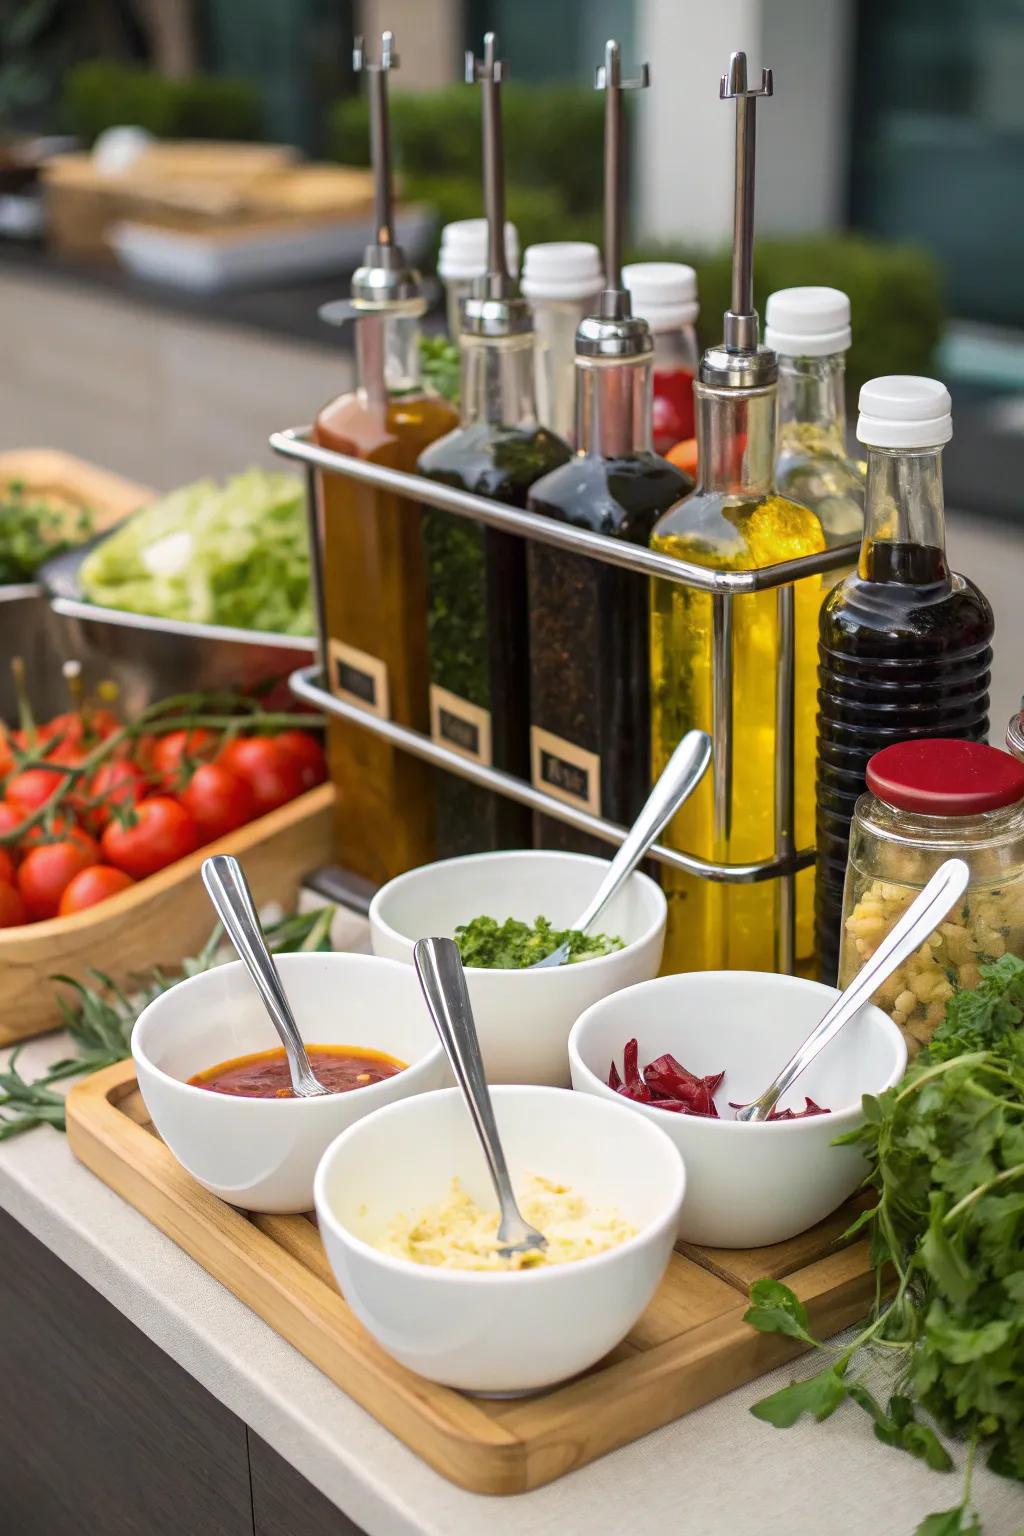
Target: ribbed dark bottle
point(905, 643)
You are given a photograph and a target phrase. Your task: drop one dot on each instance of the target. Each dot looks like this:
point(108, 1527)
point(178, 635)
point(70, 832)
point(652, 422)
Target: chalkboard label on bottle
point(360, 679)
point(564, 770)
point(460, 725)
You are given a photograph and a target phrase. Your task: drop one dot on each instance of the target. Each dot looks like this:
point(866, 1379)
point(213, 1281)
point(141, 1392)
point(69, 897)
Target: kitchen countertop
point(717, 1468)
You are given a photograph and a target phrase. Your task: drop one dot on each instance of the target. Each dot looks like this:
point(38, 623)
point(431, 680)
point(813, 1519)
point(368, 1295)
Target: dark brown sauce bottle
point(905, 644)
point(590, 711)
point(476, 585)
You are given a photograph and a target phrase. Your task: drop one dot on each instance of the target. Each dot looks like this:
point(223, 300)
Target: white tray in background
point(205, 261)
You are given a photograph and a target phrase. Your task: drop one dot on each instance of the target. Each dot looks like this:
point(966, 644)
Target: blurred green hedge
point(98, 96)
point(553, 137)
point(894, 291)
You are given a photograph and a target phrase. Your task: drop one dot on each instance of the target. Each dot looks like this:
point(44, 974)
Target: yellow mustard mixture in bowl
point(456, 1234)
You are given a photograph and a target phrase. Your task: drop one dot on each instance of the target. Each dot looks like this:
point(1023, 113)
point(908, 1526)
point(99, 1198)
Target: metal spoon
point(921, 918)
point(229, 892)
point(439, 968)
point(680, 776)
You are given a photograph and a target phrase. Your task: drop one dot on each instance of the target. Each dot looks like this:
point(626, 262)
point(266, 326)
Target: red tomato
point(163, 832)
point(175, 753)
point(48, 868)
point(6, 752)
point(117, 784)
point(28, 790)
point(58, 826)
point(218, 800)
point(90, 886)
point(6, 866)
point(12, 908)
point(271, 774)
point(305, 750)
point(10, 817)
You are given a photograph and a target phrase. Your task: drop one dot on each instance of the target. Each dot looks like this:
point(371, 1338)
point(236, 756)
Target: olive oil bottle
point(374, 592)
point(589, 623)
point(735, 520)
point(477, 614)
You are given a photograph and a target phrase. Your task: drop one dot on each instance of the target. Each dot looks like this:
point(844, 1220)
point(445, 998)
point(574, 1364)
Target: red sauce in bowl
point(264, 1074)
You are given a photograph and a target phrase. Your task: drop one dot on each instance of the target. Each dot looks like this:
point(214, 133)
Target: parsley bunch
point(946, 1153)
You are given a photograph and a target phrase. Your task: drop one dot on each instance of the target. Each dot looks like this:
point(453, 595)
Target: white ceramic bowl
point(523, 1018)
point(498, 1332)
point(261, 1154)
point(747, 1185)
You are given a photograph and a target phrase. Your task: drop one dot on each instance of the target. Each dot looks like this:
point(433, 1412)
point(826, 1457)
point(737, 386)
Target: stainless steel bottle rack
point(309, 683)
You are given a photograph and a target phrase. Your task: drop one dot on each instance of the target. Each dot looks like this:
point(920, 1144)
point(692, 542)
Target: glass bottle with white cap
point(374, 582)
point(562, 280)
point(463, 257)
point(906, 643)
point(590, 722)
point(809, 328)
point(664, 293)
point(476, 576)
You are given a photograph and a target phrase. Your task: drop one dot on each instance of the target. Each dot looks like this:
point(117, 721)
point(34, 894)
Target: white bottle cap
point(664, 293)
point(903, 411)
point(807, 322)
point(463, 253)
point(562, 269)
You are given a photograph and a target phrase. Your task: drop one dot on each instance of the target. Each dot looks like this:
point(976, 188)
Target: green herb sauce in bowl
point(488, 945)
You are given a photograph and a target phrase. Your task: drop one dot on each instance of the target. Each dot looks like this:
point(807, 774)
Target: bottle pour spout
point(741, 324)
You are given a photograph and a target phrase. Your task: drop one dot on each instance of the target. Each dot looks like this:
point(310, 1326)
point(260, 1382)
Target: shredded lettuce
point(232, 554)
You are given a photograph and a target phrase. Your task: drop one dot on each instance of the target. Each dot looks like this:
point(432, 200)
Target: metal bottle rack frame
point(308, 683)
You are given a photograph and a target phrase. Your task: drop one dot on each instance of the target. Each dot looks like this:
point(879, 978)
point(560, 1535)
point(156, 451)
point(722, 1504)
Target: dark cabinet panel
point(284, 1504)
point(100, 1431)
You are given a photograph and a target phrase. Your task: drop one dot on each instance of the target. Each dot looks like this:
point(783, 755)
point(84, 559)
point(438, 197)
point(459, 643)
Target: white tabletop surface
point(717, 1469)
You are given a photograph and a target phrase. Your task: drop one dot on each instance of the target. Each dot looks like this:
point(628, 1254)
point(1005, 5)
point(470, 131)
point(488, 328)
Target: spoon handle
point(921, 918)
point(229, 892)
point(443, 980)
point(681, 774)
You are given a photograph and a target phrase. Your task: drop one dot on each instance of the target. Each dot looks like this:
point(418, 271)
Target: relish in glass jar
point(930, 800)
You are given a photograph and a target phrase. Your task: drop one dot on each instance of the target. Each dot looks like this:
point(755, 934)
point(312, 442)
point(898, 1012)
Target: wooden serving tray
point(690, 1346)
point(160, 920)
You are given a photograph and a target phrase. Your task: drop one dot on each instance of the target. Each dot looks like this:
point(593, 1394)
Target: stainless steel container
point(150, 658)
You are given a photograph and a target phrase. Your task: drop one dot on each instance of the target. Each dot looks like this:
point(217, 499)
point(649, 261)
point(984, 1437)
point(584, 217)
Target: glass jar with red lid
point(931, 800)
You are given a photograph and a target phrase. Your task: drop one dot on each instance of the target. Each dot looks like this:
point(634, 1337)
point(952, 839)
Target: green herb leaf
point(949, 1522)
point(819, 1396)
point(776, 1309)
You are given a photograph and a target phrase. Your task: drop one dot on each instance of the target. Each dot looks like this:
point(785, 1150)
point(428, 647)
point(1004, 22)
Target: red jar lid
point(941, 777)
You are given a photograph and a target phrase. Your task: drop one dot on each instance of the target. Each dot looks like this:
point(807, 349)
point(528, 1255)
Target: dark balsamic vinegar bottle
point(589, 623)
point(476, 576)
point(905, 643)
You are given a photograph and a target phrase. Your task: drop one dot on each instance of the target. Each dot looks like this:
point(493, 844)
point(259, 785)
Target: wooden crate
point(159, 921)
point(690, 1346)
